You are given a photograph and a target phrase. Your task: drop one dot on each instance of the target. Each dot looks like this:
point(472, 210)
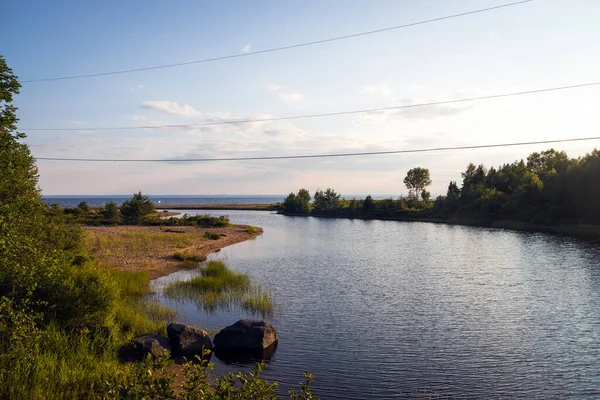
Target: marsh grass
point(251, 229)
point(185, 256)
point(211, 235)
point(136, 244)
point(219, 287)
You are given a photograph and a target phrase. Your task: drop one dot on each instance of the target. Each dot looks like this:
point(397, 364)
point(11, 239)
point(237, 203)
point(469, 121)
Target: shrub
point(183, 256)
point(135, 208)
point(212, 235)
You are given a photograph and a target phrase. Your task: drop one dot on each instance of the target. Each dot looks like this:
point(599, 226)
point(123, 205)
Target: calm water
point(376, 309)
point(72, 201)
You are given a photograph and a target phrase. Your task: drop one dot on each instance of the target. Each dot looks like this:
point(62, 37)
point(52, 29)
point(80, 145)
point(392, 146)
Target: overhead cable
point(252, 53)
point(304, 156)
point(328, 114)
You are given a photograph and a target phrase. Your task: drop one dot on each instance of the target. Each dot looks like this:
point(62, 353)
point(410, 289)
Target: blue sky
point(539, 44)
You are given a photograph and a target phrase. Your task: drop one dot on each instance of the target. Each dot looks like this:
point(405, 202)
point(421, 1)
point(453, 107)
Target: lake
point(378, 309)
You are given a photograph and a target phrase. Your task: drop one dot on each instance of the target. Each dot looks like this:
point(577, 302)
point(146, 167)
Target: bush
point(135, 208)
point(212, 235)
point(189, 257)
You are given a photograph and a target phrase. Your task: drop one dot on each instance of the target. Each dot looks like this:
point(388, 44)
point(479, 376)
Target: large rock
point(247, 335)
point(187, 340)
point(141, 346)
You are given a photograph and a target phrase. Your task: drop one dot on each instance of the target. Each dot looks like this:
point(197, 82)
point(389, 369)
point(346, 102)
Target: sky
point(540, 44)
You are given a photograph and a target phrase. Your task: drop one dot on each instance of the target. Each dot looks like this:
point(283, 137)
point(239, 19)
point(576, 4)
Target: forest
point(546, 189)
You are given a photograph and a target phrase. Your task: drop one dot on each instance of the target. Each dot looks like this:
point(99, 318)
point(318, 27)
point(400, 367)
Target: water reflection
point(378, 308)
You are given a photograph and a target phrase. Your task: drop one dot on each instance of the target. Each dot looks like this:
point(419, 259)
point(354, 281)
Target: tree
point(328, 200)
point(417, 179)
point(368, 205)
point(304, 195)
point(83, 207)
point(135, 208)
point(110, 213)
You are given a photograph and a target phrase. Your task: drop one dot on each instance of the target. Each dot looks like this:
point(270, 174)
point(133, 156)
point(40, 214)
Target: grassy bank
point(159, 250)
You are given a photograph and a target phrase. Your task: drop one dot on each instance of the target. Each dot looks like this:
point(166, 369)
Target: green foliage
point(183, 256)
point(152, 380)
point(135, 208)
point(219, 287)
point(416, 180)
point(327, 200)
point(83, 207)
point(211, 235)
point(251, 229)
point(297, 203)
point(111, 213)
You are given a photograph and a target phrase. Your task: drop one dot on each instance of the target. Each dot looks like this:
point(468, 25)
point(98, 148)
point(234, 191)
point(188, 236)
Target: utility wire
point(252, 53)
point(369, 153)
point(330, 114)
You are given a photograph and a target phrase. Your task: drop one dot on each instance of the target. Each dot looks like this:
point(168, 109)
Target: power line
point(330, 114)
point(252, 53)
point(369, 153)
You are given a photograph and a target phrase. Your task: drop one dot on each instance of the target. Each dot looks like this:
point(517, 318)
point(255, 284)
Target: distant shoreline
point(248, 207)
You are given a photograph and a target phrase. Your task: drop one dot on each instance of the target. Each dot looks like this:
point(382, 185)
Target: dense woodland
point(548, 188)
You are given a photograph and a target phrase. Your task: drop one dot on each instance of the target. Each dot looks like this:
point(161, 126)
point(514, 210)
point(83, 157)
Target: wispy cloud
point(137, 88)
point(246, 49)
point(171, 108)
point(291, 96)
point(275, 88)
point(284, 92)
point(73, 122)
point(382, 89)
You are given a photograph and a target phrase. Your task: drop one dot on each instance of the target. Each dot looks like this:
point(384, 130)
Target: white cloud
point(291, 96)
point(246, 49)
point(287, 95)
point(381, 89)
point(137, 88)
point(275, 88)
point(73, 122)
point(171, 108)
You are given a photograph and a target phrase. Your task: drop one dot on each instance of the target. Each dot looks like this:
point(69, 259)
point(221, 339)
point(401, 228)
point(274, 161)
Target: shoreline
point(244, 207)
point(584, 232)
point(160, 261)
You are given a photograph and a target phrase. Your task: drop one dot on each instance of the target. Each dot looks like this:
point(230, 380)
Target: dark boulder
point(246, 339)
point(187, 340)
point(141, 346)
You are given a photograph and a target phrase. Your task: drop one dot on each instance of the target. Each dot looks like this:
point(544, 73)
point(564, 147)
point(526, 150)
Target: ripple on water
point(379, 308)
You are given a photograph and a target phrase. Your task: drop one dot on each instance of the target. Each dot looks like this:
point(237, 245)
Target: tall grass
point(219, 287)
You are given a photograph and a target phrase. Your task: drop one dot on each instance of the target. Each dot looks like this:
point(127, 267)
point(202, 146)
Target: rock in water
point(187, 340)
point(247, 335)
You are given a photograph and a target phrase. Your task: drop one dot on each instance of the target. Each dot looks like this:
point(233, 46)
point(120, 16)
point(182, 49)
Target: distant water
point(72, 201)
point(376, 309)
point(175, 200)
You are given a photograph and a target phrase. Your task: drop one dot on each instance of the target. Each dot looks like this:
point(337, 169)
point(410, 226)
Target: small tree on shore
point(417, 179)
point(135, 208)
point(110, 213)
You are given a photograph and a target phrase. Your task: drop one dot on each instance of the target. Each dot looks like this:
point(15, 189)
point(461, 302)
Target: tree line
point(548, 188)
point(137, 210)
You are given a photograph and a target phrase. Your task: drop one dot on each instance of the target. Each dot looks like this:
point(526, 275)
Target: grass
point(219, 287)
point(185, 256)
point(211, 235)
point(129, 243)
point(251, 229)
